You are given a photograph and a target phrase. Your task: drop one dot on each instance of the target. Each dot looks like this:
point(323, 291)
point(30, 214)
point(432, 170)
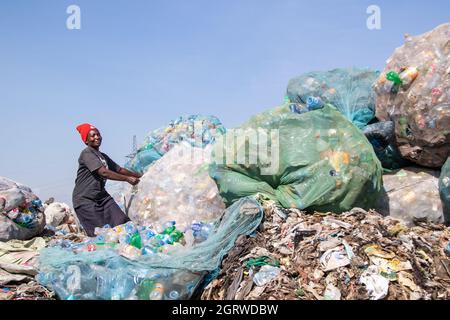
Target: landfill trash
point(178, 188)
point(414, 91)
point(18, 260)
point(26, 291)
point(21, 212)
point(331, 293)
point(266, 274)
point(87, 269)
point(382, 137)
point(411, 194)
point(57, 213)
point(323, 162)
point(376, 285)
point(197, 130)
point(350, 90)
point(444, 189)
point(378, 258)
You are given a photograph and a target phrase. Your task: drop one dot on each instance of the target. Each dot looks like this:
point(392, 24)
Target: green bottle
point(169, 230)
point(136, 241)
point(394, 77)
point(176, 235)
point(145, 288)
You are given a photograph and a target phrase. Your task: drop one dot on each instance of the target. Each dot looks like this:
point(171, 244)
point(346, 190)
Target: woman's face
point(94, 138)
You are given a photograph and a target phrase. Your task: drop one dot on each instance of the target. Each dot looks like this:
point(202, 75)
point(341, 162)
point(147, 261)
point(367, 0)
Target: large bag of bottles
point(323, 162)
point(414, 91)
point(21, 212)
point(349, 90)
point(177, 187)
point(197, 130)
point(412, 194)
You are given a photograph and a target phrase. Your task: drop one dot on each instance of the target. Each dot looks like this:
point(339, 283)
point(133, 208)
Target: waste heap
point(21, 211)
point(414, 92)
point(324, 256)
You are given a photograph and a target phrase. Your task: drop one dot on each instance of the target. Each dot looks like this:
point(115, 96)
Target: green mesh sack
point(319, 161)
point(444, 189)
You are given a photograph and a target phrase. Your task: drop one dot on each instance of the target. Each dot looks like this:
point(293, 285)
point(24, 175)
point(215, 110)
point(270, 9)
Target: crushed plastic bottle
point(265, 275)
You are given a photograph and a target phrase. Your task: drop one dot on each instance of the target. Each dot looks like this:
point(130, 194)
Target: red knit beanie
point(84, 129)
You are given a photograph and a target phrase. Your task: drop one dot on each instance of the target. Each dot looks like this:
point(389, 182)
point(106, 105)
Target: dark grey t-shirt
point(89, 185)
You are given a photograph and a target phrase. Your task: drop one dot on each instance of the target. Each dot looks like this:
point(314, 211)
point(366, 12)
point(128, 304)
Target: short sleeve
point(111, 164)
point(90, 160)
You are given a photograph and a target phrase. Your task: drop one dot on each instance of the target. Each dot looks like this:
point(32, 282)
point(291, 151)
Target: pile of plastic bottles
point(132, 241)
point(127, 266)
point(197, 130)
point(116, 280)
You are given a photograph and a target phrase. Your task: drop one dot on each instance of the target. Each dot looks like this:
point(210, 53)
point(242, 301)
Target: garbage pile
point(355, 255)
point(197, 130)
point(18, 267)
point(21, 211)
point(412, 194)
point(349, 90)
point(414, 92)
point(317, 160)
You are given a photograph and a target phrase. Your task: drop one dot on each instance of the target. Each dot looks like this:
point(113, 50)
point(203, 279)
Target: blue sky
point(135, 65)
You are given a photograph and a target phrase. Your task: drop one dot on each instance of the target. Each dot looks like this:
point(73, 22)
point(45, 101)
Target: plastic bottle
point(145, 288)
point(265, 275)
point(314, 103)
point(135, 240)
point(158, 292)
point(408, 75)
point(394, 77)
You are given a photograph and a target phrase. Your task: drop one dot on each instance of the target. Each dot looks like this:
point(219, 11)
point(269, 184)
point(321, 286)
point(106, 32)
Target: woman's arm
point(129, 173)
point(117, 176)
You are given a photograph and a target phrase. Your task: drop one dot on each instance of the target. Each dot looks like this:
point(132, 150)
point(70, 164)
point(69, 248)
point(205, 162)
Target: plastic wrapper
point(197, 130)
point(349, 90)
point(177, 187)
point(414, 92)
point(21, 212)
point(412, 194)
point(324, 162)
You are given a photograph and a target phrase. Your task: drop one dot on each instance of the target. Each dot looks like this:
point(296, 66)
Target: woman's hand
point(133, 181)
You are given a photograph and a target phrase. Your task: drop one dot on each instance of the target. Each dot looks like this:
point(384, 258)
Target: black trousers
point(97, 214)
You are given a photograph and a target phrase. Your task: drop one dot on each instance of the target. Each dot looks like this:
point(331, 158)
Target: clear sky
point(135, 65)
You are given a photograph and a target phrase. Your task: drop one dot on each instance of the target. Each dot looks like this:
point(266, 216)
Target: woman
point(92, 203)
